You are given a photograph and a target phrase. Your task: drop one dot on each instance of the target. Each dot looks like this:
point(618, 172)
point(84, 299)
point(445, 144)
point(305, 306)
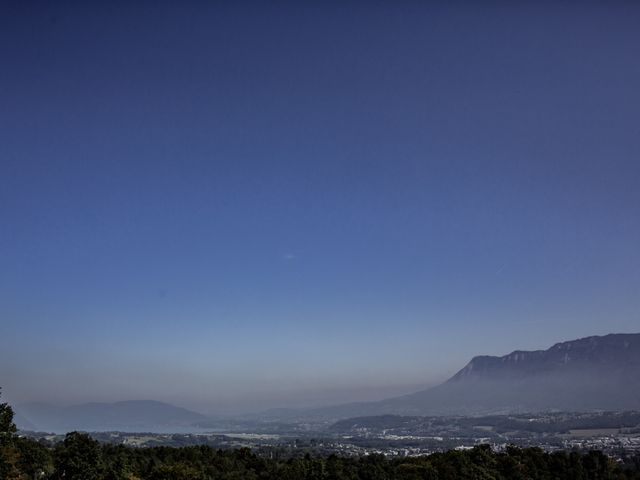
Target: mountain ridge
point(561, 353)
point(589, 373)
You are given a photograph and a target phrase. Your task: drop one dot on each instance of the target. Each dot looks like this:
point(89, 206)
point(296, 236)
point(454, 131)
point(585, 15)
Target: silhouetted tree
point(7, 427)
point(8, 453)
point(78, 457)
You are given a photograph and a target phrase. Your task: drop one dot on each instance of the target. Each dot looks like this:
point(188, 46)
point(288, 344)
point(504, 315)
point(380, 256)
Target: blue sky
point(244, 205)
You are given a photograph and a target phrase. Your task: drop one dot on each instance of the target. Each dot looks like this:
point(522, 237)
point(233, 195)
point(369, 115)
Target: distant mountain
point(593, 373)
point(135, 415)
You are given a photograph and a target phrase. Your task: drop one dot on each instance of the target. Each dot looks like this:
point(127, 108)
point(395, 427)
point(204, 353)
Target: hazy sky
point(232, 206)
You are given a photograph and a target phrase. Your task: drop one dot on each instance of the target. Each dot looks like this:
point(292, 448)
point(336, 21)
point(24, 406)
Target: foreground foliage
point(80, 457)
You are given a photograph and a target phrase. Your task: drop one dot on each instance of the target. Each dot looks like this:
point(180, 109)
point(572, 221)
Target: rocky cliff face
point(615, 351)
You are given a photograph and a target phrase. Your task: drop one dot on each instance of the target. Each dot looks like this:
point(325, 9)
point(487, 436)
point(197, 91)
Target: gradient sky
point(233, 206)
